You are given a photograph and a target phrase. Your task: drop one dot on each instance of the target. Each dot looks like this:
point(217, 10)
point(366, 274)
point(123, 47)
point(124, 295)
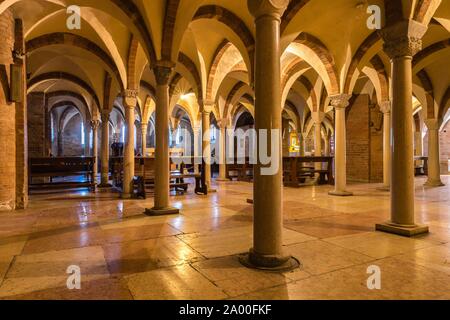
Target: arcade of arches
point(159, 78)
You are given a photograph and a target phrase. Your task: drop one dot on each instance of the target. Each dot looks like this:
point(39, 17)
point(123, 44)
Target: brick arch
point(325, 57)
point(231, 96)
point(191, 67)
point(310, 88)
point(64, 76)
point(70, 94)
point(133, 12)
point(427, 86)
point(422, 9)
point(63, 116)
point(233, 22)
point(131, 70)
point(367, 44)
point(445, 104)
point(393, 11)
point(432, 49)
point(293, 8)
point(69, 39)
point(169, 29)
point(379, 67)
point(174, 83)
point(220, 51)
point(150, 89)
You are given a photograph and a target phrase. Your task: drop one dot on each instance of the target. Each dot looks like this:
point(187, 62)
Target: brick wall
point(7, 120)
point(36, 124)
point(364, 142)
point(445, 148)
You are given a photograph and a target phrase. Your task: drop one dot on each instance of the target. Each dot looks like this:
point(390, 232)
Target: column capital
point(105, 116)
point(340, 101)
point(385, 107)
point(163, 71)
point(95, 124)
point(223, 123)
point(318, 117)
point(208, 106)
point(403, 39)
point(130, 98)
point(272, 8)
point(432, 124)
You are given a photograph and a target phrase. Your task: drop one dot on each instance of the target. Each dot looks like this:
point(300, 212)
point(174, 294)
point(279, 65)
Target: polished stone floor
point(122, 254)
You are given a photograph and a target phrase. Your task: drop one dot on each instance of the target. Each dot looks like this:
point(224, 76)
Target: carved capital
point(340, 101)
point(163, 71)
point(385, 107)
point(95, 124)
point(272, 8)
point(403, 39)
point(105, 116)
point(208, 106)
point(318, 117)
point(432, 124)
point(130, 98)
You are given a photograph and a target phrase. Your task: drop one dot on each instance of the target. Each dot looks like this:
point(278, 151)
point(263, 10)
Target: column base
point(402, 230)
point(384, 188)
point(434, 183)
point(126, 196)
point(222, 179)
point(257, 261)
point(104, 185)
point(340, 193)
point(161, 211)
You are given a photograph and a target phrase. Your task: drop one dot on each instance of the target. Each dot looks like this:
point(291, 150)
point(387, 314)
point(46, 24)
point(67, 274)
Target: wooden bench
point(241, 170)
point(295, 171)
point(144, 179)
point(46, 169)
point(421, 166)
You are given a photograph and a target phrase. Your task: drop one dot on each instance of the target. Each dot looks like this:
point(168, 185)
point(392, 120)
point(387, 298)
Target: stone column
point(286, 138)
point(197, 151)
point(129, 103)
point(144, 128)
point(434, 166)
point(222, 151)
point(95, 124)
point(60, 143)
point(105, 151)
point(267, 251)
point(318, 138)
point(327, 145)
point(302, 136)
point(162, 72)
point(206, 143)
point(401, 43)
point(385, 108)
point(340, 103)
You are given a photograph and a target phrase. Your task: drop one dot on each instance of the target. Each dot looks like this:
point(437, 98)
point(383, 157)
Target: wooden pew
point(295, 171)
point(240, 170)
point(145, 176)
point(61, 167)
point(421, 169)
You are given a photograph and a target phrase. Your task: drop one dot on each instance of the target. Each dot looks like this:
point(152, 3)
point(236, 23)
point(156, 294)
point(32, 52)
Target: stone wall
point(36, 124)
point(71, 138)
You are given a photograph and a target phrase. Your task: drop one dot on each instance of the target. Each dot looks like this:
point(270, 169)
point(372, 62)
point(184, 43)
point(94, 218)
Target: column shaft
point(162, 160)
point(267, 248)
point(144, 139)
point(206, 145)
point(105, 150)
point(222, 154)
point(128, 159)
point(434, 166)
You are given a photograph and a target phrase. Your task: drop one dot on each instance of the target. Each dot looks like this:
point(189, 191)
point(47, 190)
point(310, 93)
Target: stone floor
point(122, 254)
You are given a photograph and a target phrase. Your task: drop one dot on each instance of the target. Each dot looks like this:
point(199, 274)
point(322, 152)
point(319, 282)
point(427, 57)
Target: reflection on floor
point(123, 254)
